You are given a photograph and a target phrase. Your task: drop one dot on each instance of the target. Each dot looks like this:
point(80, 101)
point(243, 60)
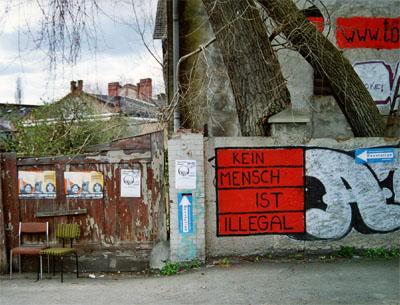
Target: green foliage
point(63, 128)
point(382, 253)
point(194, 264)
point(170, 268)
point(225, 262)
point(347, 251)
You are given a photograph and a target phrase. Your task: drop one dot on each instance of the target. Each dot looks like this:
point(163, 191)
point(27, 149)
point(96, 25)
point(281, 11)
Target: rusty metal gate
point(118, 232)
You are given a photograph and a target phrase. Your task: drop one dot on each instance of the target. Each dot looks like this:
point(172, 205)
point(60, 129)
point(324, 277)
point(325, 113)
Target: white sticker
point(130, 182)
point(185, 174)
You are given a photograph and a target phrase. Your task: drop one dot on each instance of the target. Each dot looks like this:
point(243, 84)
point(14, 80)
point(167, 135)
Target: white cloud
point(121, 57)
point(17, 14)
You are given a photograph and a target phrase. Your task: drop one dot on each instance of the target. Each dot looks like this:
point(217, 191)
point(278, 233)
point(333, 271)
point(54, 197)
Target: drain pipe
point(175, 59)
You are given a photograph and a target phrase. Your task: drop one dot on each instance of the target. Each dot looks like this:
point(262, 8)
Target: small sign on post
point(375, 155)
point(185, 174)
point(185, 213)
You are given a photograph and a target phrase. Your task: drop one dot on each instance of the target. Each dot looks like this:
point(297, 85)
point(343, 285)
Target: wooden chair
point(64, 232)
point(31, 228)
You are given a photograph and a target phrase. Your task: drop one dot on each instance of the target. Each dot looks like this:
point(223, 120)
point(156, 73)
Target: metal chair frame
point(63, 238)
point(25, 228)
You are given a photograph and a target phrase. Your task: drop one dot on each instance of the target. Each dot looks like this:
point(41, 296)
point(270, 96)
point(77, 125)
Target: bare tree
point(353, 98)
point(253, 68)
point(242, 36)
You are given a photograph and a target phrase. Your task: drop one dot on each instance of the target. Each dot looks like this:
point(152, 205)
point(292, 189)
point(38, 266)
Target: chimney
point(117, 103)
point(145, 89)
point(113, 89)
point(80, 86)
point(73, 87)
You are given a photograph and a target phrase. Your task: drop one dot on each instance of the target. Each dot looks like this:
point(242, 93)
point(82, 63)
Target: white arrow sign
point(375, 155)
point(185, 203)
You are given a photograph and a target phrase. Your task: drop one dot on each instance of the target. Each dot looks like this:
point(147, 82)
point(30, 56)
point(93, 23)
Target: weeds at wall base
point(350, 252)
point(172, 268)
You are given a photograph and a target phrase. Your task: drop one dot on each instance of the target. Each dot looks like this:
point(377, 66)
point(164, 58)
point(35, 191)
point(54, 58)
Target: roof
point(129, 106)
point(20, 109)
point(160, 27)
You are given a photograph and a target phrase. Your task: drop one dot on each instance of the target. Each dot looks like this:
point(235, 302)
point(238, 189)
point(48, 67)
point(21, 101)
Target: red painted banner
point(260, 191)
point(368, 32)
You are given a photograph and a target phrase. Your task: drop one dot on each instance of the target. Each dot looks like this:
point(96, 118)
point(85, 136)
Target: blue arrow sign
point(375, 155)
point(185, 213)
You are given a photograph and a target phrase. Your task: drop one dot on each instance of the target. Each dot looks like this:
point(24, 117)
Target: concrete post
point(187, 211)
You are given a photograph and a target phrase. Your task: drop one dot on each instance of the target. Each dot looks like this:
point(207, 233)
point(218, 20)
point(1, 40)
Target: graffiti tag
point(382, 82)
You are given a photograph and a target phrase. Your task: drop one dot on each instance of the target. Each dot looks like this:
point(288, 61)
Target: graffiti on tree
point(306, 193)
point(383, 83)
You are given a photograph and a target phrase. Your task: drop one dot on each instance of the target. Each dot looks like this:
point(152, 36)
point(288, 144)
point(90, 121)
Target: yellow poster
point(88, 184)
point(37, 184)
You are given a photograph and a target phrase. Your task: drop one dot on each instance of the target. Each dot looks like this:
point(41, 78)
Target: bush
point(65, 127)
point(347, 251)
point(380, 252)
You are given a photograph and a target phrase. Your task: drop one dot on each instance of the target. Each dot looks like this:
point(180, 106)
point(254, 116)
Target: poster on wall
point(185, 174)
point(87, 184)
point(130, 182)
point(37, 184)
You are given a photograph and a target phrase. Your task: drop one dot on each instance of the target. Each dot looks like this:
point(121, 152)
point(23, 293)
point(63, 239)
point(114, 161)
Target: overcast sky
point(114, 51)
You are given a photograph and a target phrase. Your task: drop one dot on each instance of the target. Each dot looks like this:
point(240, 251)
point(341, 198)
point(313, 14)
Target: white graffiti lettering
point(367, 198)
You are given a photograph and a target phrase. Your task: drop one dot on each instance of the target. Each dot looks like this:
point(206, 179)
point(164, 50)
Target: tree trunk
point(256, 79)
point(348, 89)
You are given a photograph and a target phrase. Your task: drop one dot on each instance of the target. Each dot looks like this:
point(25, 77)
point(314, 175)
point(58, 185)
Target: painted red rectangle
point(368, 32)
point(318, 21)
point(242, 157)
point(259, 177)
point(260, 191)
point(261, 200)
point(265, 223)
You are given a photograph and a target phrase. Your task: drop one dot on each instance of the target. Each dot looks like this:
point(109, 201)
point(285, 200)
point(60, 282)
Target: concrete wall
point(345, 203)
point(187, 243)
